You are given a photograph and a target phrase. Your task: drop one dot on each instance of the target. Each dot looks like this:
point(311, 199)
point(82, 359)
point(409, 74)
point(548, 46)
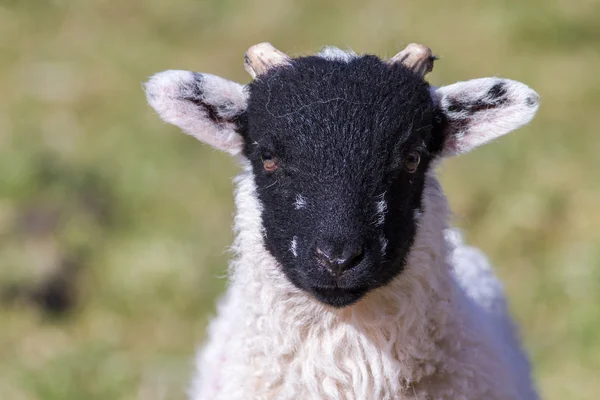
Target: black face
point(340, 151)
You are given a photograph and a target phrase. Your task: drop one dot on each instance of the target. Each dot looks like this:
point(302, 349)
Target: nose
point(338, 262)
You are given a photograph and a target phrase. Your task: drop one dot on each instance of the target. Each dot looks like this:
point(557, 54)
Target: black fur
point(341, 133)
point(498, 91)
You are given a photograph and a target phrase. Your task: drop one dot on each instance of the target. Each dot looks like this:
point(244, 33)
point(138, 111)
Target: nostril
point(324, 255)
point(337, 264)
point(354, 259)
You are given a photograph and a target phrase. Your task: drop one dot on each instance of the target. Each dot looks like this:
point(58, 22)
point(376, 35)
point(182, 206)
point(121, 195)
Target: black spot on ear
point(494, 98)
point(455, 106)
point(497, 91)
point(485, 105)
point(212, 111)
point(226, 105)
point(531, 101)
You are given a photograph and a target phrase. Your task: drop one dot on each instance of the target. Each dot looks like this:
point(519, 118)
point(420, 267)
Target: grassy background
point(113, 226)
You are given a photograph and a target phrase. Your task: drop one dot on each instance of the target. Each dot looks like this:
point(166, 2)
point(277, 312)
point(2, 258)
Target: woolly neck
point(397, 335)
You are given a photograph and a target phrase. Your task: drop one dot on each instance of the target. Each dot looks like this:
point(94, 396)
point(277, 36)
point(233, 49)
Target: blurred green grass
point(133, 219)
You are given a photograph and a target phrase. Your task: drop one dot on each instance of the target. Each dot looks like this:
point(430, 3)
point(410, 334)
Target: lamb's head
point(340, 146)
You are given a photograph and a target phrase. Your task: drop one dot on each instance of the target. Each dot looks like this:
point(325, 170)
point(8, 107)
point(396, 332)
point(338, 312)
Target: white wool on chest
point(423, 336)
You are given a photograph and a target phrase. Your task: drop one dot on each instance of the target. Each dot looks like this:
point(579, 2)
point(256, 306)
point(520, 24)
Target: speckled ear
point(202, 105)
point(481, 110)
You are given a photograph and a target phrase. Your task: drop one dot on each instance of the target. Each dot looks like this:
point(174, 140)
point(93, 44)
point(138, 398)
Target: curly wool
point(440, 330)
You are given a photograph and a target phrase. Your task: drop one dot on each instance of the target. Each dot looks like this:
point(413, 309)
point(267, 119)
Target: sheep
point(348, 281)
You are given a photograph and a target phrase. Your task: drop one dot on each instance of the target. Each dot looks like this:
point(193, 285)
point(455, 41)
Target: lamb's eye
point(269, 161)
point(411, 162)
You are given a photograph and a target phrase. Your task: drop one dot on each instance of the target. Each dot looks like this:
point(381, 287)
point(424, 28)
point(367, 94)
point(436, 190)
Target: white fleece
point(440, 330)
point(335, 54)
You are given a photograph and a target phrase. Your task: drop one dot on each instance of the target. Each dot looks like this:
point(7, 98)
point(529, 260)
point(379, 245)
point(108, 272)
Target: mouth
point(338, 297)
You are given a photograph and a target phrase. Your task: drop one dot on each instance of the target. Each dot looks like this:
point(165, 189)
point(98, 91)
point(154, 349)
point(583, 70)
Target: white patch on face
point(294, 246)
point(334, 54)
point(381, 209)
point(417, 214)
point(300, 202)
point(384, 243)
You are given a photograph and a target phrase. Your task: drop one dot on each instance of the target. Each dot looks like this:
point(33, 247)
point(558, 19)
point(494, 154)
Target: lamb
point(347, 280)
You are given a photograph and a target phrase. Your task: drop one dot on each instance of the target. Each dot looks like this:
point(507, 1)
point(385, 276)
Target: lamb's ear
point(202, 105)
point(480, 110)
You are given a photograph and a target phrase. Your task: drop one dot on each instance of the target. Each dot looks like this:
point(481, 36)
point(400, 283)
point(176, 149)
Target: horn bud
point(416, 57)
point(262, 57)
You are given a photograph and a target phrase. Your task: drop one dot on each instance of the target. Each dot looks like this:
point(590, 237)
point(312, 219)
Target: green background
point(128, 221)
